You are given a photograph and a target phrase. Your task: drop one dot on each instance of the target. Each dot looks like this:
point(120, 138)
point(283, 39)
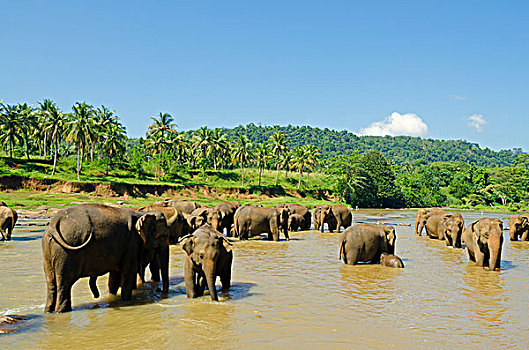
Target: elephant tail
point(56, 235)
point(342, 255)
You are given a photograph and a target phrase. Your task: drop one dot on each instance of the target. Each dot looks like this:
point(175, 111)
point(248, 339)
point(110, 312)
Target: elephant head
point(453, 226)
point(153, 230)
point(214, 217)
point(488, 238)
point(517, 224)
point(389, 238)
point(204, 248)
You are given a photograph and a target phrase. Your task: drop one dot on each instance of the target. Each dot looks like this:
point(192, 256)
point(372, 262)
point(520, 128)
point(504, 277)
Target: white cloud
point(397, 124)
point(476, 121)
point(459, 98)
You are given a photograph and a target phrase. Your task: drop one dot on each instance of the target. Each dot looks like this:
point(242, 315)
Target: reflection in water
point(485, 296)
point(288, 294)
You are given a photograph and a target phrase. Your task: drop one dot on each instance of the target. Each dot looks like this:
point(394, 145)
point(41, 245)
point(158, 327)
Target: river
point(288, 294)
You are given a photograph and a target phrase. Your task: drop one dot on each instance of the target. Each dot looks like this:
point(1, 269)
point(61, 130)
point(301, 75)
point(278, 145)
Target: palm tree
point(28, 122)
point(312, 155)
point(53, 125)
point(11, 125)
point(114, 141)
point(300, 162)
point(43, 116)
point(279, 146)
point(202, 142)
point(158, 134)
point(80, 130)
point(218, 145)
point(242, 153)
point(262, 154)
point(103, 118)
point(286, 161)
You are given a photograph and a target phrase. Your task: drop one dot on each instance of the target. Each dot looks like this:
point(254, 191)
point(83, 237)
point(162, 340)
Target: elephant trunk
point(457, 241)
point(495, 253)
point(512, 233)
point(416, 224)
point(215, 224)
point(210, 279)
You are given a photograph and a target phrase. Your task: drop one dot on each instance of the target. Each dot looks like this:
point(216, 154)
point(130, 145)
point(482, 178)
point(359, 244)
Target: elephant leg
point(51, 285)
point(64, 293)
point(128, 283)
point(201, 285)
point(479, 257)
point(163, 261)
point(190, 279)
point(114, 281)
point(93, 286)
point(421, 226)
point(352, 257)
point(525, 235)
point(142, 272)
point(286, 236)
point(471, 256)
point(338, 224)
point(225, 278)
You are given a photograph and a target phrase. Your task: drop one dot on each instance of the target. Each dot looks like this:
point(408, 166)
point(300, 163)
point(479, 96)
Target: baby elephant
point(391, 261)
point(295, 222)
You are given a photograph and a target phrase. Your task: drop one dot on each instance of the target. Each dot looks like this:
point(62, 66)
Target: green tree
point(202, 142)
point(53, 125)
point(242, 154)
point(158, 136)
point(262, 154)
point(279, 146)
point(80, 127)
point(10, 127)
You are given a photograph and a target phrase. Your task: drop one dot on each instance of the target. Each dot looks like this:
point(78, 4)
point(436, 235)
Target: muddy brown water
point(288, 294)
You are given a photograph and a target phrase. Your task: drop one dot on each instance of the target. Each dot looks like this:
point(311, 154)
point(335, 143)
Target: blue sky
point(441, 69)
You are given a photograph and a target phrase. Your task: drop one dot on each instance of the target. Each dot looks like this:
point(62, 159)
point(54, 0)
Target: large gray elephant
point(227, 210)
point(299, 210)
point(192, 223)
point(366, 243)
point(252, 221)
point(335, 214)
point(209, 254)
point(212, 216)
point(484, 240)
point(519, 227)
point(8, 219)
point(422, 216)
point(90, 240)
point(446, 226)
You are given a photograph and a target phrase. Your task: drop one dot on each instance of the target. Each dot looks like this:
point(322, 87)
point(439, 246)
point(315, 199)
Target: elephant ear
point(187, 244)
point(525, 220)
point(145, 224)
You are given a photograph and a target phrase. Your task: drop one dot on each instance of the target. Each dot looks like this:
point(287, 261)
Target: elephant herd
point(91, 240)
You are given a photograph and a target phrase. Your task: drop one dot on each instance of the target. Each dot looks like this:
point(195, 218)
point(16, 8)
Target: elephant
point(391, 260)
point(227, 210)
point(335, 213)
point(366, 243)
point(192, 222)
point(175, 220)
point(184, 207)
point(8, 219)
point(301, 210)
point(90, 240)
point(212, 216)
point(484, 239)
point(208, 254)
point(422, 216)
point(252, 221)
point(447, 226)
point(296, 222)
point(519, 226)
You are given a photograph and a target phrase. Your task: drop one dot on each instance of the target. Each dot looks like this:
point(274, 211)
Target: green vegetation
point(90, 145)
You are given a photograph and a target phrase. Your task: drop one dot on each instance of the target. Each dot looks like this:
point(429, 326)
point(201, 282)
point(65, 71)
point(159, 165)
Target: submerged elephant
point(296, 222)
point(209, 254)
point(299, 210)
point(227, 209)
point(185, 207)
point(422, 216)
point(8, 219)
point(519, 227)
point(484, 240)
point(335, 214)
point(252, 221)
point(391, 260)
point(446, 226)
point(366, 243)
point(90, 240)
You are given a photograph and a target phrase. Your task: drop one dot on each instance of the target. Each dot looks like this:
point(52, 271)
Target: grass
point(223, 181)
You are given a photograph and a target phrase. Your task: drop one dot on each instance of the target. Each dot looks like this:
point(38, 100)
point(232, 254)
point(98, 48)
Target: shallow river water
point(288, 294)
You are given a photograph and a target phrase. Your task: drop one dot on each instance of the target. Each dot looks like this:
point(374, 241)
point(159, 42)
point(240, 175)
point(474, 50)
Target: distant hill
point(400, 149)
